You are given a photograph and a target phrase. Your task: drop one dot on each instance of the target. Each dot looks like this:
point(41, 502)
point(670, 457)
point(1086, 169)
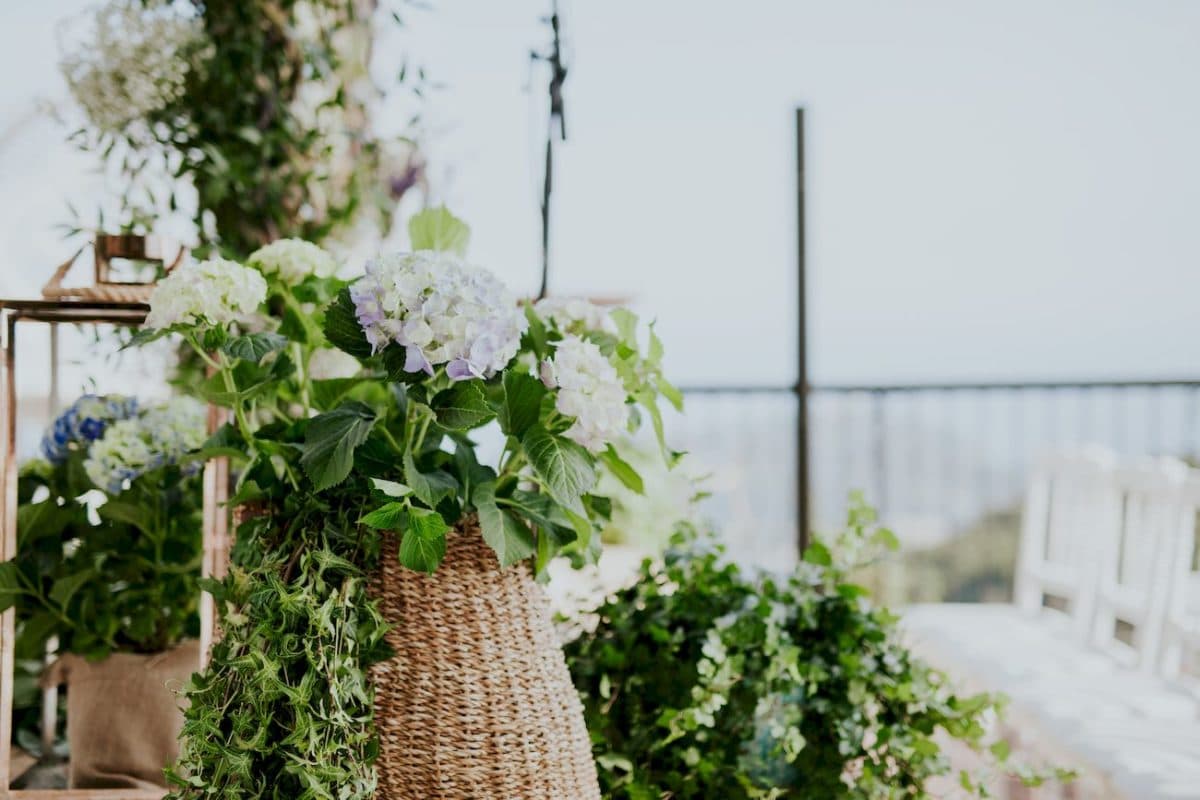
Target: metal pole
point(803, 519)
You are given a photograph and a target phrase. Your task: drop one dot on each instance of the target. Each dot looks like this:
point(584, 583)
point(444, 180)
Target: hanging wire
point(556, 122)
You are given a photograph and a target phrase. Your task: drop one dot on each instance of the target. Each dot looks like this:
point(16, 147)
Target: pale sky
point(998, 190)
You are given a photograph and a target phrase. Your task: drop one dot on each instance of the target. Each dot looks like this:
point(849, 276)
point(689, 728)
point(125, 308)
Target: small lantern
point(127, 265)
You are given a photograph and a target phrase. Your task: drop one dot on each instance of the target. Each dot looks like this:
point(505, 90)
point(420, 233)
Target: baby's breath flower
point(159, 436)
point(215, 291)
point(136, 63)
point(441, 311)
point(589, 390)
point(293, 260)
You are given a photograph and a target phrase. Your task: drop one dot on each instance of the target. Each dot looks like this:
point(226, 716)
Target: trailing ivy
point(285, 708)
point(701, 682)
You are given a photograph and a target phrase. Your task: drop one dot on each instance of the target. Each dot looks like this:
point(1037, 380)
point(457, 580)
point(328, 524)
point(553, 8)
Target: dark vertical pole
point(802, 444)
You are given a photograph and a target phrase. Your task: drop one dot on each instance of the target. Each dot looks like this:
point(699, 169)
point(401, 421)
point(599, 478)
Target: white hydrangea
point(160, 435)
point(590, 390)
point(441, 311)
point(293, 260)
point(135, 63)
point(574, 314)
point(217, 290)
point(327, 363)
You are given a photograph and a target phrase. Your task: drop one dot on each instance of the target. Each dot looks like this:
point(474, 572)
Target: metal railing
point(932, 457)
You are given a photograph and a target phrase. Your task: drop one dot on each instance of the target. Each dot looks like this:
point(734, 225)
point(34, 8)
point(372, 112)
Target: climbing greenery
point(701, 681)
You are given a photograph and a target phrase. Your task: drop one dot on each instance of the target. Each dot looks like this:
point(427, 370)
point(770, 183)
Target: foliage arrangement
point(425, 349)
point(262, 108)
point(108, 538)
point(700, 681)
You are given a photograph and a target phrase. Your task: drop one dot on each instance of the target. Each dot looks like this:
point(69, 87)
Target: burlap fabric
point(477, 703)
point(123, 715)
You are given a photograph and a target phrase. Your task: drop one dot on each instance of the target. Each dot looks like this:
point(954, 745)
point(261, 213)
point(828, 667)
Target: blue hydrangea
point(84, 422)
point(160, 435)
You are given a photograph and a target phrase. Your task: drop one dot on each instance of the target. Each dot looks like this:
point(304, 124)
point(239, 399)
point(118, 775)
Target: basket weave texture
point(477, 703)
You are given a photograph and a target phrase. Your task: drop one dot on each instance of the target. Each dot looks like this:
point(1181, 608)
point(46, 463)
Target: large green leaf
point(622, 470)
point(438, 229)
point(429, 487)
point(139, 516)
point(563, 467)
point(422, 555)
point(424, 543)
point(342, 328)
point(44, 520)
point(517, 401)
point(65, 587)
point(330, 441)
point(463, 406)
point(509, 537)
point(254, 347)
point(388, 517)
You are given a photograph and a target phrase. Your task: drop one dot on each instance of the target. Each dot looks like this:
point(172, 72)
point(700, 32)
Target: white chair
point(1180, 661)
point(1136, 564)
point(1068, 521)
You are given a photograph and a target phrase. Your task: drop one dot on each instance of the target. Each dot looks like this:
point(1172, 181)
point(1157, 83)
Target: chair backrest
point(1181, 635)
point(1069, 513)
point(1135, 566)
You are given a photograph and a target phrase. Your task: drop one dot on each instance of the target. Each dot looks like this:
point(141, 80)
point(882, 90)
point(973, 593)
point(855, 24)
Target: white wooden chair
point(1136, 565)
point(1180, 659)
point(1107, 601)
point(1069, 520)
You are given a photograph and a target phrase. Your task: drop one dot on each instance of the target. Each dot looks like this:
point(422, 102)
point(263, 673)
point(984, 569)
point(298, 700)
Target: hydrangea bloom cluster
point(441, 311)
point(293, 260)
point(574, 314)
point(590, 390)
point(136, 64)
point(84, 422)
point(217, 290)
point(158, 436)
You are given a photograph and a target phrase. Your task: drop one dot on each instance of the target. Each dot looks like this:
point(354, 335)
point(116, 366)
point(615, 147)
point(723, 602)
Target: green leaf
point(564, 467)
point(342, 328)
point(424, 543)
point(65, 587)
point(622, 470)
point(650, 403)
point(668, 390)
point(254, 347)
point(511, 539)
point(426, 524)
point(10, 584)
point(329, 392)
point(517, 402)
point(438, 229)
point(389, 517)
point(429, 487)
point(391, 488)
point(422, 555)
point(330, 441)
point(626, 322)
point(463, 406)
point(138, 516)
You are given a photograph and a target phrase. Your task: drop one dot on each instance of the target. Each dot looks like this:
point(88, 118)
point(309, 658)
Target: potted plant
point(382, 627)
point(108, 568)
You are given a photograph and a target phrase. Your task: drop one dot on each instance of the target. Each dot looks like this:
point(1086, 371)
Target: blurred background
point(999, 259)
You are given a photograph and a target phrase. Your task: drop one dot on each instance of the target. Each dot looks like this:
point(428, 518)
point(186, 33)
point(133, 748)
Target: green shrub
point(701, 681)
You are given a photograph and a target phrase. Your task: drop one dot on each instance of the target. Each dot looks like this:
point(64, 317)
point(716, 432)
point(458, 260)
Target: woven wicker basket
point(477, 702)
